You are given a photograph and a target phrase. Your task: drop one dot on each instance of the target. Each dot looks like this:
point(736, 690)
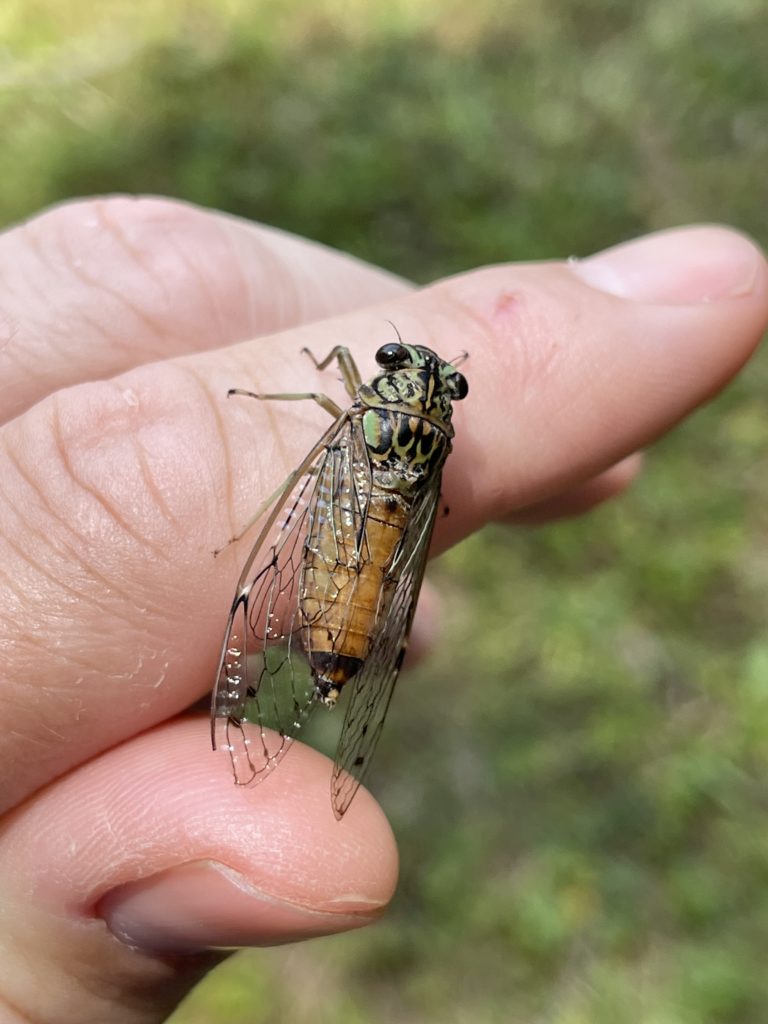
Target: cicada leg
point(324, 402)
point(347, 366)
point(288, 482)
point(300, 396)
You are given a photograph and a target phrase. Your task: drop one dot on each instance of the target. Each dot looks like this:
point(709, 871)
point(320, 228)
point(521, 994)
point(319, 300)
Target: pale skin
point(123, 324)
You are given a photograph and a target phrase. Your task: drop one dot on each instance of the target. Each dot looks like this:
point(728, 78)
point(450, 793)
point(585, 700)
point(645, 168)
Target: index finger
point(96, 286)
point(116, 493)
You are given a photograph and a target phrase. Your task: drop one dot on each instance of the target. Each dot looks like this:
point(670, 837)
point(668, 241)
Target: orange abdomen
point(345, 591)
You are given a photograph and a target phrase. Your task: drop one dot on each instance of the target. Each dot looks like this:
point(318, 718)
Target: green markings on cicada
point(377, 430)
point(395, 438)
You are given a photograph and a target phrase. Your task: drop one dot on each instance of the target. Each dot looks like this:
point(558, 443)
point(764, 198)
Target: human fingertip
point(681, 266)
point(206, 905)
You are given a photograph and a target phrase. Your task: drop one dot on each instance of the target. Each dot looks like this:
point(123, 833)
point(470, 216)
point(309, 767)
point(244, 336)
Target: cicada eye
point(459, 386)
point(392, 355)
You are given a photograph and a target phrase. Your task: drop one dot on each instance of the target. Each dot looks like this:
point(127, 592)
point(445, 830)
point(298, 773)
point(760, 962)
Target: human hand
point(123, 839)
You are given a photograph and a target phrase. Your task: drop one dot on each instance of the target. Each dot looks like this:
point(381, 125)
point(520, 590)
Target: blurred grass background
point(577, 781)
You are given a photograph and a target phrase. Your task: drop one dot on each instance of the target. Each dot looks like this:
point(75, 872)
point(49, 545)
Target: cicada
point(327, 596)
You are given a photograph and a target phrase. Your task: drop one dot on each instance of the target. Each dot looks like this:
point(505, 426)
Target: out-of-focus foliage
point(578, 781)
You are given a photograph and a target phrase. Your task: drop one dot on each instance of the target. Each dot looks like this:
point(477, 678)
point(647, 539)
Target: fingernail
point(680, 267)
point(205, 905)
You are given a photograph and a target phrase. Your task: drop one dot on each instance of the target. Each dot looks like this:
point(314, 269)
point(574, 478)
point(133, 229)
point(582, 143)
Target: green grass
point(577, 784)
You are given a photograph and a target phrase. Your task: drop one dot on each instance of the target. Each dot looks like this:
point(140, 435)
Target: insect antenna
point(461, 358)
point(396, 331)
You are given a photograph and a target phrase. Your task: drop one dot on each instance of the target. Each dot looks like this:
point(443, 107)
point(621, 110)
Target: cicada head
point(417, 380)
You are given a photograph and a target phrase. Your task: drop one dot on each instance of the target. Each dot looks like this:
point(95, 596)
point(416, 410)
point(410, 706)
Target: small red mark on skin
point(502, 313)
point(505, 303)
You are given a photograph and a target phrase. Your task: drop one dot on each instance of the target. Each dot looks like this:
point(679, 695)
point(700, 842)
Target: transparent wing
point(373, 685)
point(264, 677)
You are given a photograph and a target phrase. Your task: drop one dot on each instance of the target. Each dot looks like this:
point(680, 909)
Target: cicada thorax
point(350, 569)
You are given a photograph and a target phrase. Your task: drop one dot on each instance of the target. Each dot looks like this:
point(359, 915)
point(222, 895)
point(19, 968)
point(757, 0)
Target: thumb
point(123, 881)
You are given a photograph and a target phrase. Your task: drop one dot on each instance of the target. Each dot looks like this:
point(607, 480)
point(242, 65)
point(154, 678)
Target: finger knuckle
point(111, 466)
point(164, 270)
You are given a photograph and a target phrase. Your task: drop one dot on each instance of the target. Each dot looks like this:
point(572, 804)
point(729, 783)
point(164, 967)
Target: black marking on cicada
point(326, 598)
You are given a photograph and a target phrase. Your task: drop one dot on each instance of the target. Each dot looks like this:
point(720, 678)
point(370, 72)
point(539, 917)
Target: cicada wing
point(337, 538)
point(264, 677)
point(373, 685)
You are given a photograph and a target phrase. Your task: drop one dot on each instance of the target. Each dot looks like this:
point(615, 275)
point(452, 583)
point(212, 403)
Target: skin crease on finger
point(116, 493)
